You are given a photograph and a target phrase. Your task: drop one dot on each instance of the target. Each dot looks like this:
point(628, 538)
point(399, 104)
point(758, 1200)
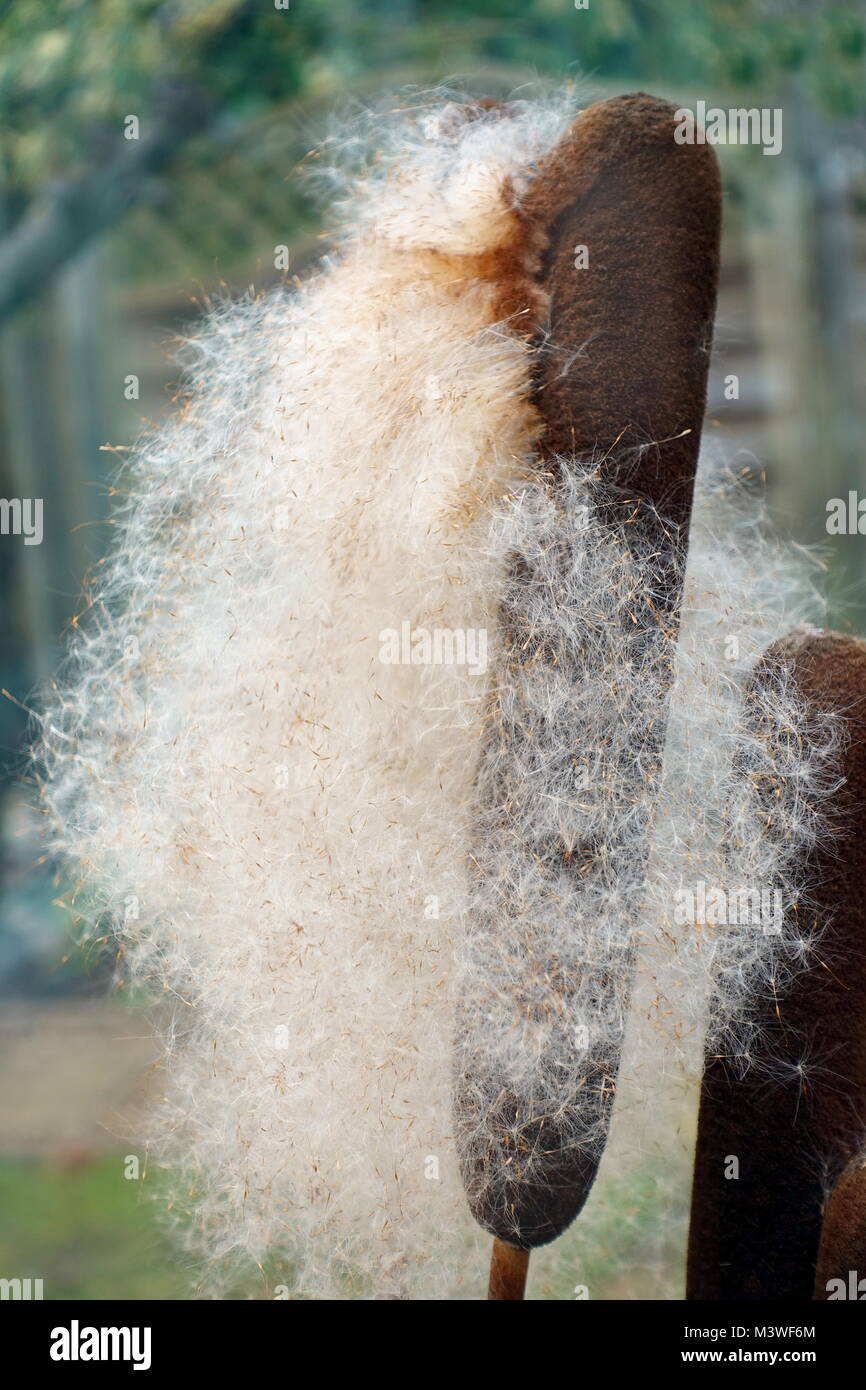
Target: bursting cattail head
point(272, 730)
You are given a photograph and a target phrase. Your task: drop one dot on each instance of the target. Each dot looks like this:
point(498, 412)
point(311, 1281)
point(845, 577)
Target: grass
point(87, 1232)
point(91, 1234)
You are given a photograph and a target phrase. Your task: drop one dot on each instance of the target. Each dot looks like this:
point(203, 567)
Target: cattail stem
point(508, 1269)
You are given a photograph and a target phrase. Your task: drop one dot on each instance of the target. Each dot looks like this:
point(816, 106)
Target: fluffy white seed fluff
point(748, 777)
point(606, 792)
point(228, 751)
point(308, 833)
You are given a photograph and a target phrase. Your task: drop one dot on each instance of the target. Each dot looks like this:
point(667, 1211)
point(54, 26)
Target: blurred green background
point(110, 245)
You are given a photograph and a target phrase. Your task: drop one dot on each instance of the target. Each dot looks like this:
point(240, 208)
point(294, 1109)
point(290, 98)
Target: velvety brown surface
point(842, 1251)
point(622, 370)
point(757, 1237)
point(630, 336)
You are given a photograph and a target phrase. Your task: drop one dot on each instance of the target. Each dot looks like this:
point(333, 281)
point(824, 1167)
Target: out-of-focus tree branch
point(48, 237)
point(70, 213)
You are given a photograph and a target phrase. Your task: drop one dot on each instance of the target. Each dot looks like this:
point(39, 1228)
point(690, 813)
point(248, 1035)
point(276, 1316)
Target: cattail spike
point(782, 1115)
point(841, 1273)
point(576, 723)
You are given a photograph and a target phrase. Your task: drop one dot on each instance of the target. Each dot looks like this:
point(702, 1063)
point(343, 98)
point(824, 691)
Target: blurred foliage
point(88, 1233)
point(85, 1231)
point(70, 72)
point(222, 212)
point(69, 75)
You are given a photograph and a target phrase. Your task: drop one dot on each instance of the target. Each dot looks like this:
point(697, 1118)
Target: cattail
point(575, 724)
point(362, 721)
point(784, 1090)
point(841, 1270)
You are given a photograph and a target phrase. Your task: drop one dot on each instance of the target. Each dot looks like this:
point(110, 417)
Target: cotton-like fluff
point(291, 828)
point(267, 802)
point(748, 779)
point(564, 792)
point(590, 849)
